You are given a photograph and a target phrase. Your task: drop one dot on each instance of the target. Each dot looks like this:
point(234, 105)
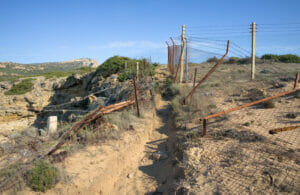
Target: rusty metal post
point(204, 127)
point(179, 64)
point(251, 103)
point(206, 76)
point(173, 56)
point(135, 96)
point(195, 75)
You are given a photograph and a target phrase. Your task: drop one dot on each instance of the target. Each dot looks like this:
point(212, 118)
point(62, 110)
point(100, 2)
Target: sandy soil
point(124, 166)
point(240, 156)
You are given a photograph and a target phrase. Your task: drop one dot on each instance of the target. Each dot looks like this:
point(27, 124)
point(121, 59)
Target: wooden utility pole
point(182, 52)
point(253, 51)
point(125, 65)
point(186, 71)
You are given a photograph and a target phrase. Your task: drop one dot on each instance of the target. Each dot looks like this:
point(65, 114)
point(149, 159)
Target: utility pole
point(253, 51)
point(182, 52)
point(186, 71)
point(125, 65)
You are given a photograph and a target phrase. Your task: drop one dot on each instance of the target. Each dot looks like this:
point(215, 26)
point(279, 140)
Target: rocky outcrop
point(67, 98)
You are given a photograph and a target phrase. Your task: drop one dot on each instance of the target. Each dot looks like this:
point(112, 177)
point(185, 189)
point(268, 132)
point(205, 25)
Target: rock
point(159, 156)
point(72, 118)
point(5, 85)
point(30, 132)
point(43, 85)
point(57, 85)
point(287, 79)
point(14, 135)
point(129, 176)
point(72, 81)
point(279, 85)
point(60, 98)
point(291, 115)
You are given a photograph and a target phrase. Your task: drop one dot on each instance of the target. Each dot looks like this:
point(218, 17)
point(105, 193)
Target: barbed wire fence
point(247, 158)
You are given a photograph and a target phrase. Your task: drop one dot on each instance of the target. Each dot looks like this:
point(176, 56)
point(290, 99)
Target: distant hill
point(14, 69)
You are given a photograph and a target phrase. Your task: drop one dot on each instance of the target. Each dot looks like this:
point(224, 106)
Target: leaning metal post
point(206, 76)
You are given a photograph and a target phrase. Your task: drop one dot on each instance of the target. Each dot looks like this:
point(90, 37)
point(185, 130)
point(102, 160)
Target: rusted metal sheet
point(206, 76)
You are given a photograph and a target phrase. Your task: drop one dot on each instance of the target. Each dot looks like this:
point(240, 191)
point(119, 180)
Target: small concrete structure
point(52, 124)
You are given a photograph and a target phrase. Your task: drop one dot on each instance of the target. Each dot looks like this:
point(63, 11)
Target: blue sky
point(57, 30)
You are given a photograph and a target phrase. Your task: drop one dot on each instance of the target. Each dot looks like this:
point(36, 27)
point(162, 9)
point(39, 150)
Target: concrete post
point(52, 124)
point(182, 52)
point(253, 51)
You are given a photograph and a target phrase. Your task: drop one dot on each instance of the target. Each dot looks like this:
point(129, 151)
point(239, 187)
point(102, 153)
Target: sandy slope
point(121, 166)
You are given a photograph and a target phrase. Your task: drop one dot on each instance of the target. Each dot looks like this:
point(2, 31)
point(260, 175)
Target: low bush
point(288, 58)
point(116, 64)
point(269, 104)
point(233, 60)
point(23, 87)
point(212, 59)
point(112, 65)
point(42, 176)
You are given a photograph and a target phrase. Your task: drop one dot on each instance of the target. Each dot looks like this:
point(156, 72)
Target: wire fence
point(240, 155)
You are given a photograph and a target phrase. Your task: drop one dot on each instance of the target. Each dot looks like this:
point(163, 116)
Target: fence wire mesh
point(240, 155)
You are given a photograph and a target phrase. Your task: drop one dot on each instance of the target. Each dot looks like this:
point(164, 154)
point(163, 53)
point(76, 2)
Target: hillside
point(8, 69)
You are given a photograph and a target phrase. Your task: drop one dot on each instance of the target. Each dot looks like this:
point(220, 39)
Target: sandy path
point(122, 166)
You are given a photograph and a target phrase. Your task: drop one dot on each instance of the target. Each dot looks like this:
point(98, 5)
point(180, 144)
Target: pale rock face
point(66, 98)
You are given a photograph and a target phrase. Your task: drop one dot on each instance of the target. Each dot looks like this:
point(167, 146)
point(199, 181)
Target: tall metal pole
point(182, 52)
point(253, 51)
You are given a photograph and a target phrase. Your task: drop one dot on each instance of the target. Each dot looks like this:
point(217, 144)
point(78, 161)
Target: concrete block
point(52, 124)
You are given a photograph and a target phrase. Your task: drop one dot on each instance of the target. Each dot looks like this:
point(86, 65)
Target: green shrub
point(112, 65)
point(233, 60)
point(270, 57)
point(244, 60)
point(288, 58)
point(123, 76)
point(213, 59)
point(23, 87)
point(42, 176)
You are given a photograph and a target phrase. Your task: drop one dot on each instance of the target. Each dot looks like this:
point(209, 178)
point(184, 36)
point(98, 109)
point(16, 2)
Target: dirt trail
point(124, 166)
